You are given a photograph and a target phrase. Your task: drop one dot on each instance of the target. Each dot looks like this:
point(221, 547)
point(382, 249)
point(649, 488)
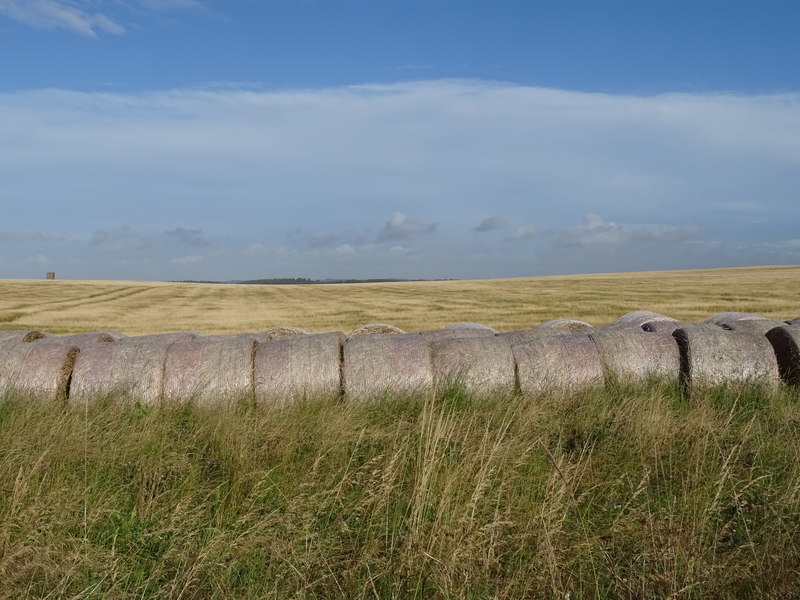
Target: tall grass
point(619, 493)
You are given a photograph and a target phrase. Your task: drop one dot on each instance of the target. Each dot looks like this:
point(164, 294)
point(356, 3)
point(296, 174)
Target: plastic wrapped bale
point(633, 355)
point(94, 337)
point(387, 365)
point(461, 325)
point(642, 317)
point(40, 371)
point(456, 334)
point(482, 365)
point(567, 325)
point(23, 335)
point(565, 364)
point(374, 329)
point(297, 367)
point(131, 369)
point(711, 356)
point(785, 341)
point(284, 331)
point(210, 371)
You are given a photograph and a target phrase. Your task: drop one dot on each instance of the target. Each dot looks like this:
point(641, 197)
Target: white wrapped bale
point(94, 337)
point(558, 364)
point(210, 371)
point(298, 367)
point(374, 329)
point(130, 369)
point(712, 356)
point(40, 371)
point(632, 355)
point(455, 334)
point(284, 331)
point(785, 341)
point(461, 325)
point(379, 366)
point(642, 317)
point(565, 325)
point(482, 365)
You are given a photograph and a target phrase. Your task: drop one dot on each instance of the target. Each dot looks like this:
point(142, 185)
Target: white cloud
point(526, 232)
point(402, 227)
point(85, 17)
point(596, 231)
point(248, 165)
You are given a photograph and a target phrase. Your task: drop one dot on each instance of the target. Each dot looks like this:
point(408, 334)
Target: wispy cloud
point(86, 17)
point(526, 232)
point(596, 231)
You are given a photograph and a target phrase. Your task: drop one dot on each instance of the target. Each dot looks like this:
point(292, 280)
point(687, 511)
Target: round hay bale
point(795, 321)
point(568, 325)
point(40, 371)
point(633, 355)
point(374, 329)
point(166, 338)
point(470, 325)
point(94, 337)
point(380, 365)
point(23, 335)
point(284, 331)
point(561, 363)
point(482, 365)
point(456, 334)
point(520, 336)
point(130, 369)
point(210, 371)
point(297, 367)
point(785, 341)
point(711, 356)
point(641, 317)
point(759, 326)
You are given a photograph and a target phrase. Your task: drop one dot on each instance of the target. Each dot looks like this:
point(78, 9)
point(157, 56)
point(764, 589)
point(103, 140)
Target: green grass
point(619, 493)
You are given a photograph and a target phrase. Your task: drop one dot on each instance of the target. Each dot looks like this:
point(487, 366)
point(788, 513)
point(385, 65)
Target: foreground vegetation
point(145, 307)
point(616, 493)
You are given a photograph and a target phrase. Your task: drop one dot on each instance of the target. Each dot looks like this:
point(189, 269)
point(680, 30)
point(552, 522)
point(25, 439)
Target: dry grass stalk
point(23, 335)
point(210, 371)
point(387, 365)
point(482, 365)
point(568, 325)
point(131, 369)
point(39, 370)
point(711, 355)
point(294, 367)
point(560, 363)
point(373, 329)
point(786, 342)
point(284, 331)
point(470, 325)
point(634, 355)
point(642, 317)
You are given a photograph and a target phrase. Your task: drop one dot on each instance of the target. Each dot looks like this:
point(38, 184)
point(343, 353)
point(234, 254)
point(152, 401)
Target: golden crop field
point(155, 307)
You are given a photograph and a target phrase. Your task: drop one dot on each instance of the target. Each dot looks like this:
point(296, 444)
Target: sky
point(242, 139)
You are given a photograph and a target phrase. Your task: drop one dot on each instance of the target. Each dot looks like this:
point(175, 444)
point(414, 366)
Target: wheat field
point(135, 308)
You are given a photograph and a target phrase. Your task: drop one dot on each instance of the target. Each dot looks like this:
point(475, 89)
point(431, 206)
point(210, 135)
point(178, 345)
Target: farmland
point(145, 307)
point(625, 491)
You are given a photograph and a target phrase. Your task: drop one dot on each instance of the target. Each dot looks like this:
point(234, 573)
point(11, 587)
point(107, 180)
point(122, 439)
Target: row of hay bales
point(283, 364)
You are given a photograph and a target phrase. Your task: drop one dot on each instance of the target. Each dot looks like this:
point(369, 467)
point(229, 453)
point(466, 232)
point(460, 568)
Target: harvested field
point(136, 308)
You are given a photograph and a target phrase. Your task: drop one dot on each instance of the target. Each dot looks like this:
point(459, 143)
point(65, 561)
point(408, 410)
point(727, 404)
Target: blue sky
point(230, 139)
